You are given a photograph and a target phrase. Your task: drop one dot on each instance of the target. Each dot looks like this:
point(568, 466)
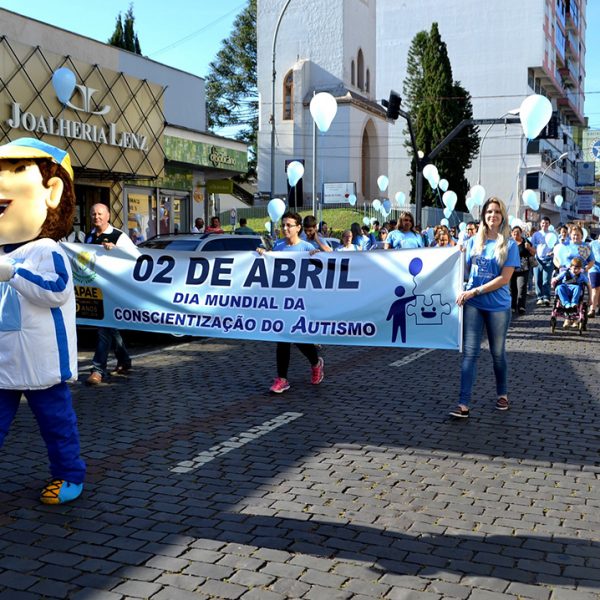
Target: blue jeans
point(109, 339)
point(568, 293)
point(496, 324)
point(543, 275)
point(53, 411)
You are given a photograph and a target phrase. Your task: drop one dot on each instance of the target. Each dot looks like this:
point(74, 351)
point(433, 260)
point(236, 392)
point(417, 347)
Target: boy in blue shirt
point(569, 286)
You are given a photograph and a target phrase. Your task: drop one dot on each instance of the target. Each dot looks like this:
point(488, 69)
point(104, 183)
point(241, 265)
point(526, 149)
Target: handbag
point(533, 262)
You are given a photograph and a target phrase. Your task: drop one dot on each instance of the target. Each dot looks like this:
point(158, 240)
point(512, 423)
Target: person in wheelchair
point(570, 286)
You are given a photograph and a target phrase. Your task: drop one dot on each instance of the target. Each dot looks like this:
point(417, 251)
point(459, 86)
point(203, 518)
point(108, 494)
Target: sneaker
point(318, 372)
point(59, 491)
point(521, 311)
point(459, 412)
point(94, 379)
point(502, 403)
point(280, 385)
point(591, 313)
point(546, 302)
point(575, 324)
point(540, 302)
point(123, 370)
point(567, 323)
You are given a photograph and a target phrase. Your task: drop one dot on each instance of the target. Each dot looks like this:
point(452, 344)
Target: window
point(352, 75)
point(360, 76)
point(288, 95)
point(368, 81)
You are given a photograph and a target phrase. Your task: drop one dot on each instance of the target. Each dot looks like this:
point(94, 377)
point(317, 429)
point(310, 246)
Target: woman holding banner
point(491, 258)
point(291, 224)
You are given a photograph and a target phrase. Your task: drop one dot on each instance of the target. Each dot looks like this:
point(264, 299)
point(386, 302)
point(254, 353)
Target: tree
point(231, 88)
point(124, 35)
point(437, 104)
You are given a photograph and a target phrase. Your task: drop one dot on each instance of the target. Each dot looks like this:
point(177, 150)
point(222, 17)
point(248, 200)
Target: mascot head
point(37, 197)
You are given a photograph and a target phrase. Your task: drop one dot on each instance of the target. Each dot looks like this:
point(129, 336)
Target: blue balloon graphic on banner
point(63, 81)
point(415, 266)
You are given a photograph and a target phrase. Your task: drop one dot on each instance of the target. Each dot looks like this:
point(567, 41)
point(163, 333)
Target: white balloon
point(276, 208)
point(585, 233)
point(462, 226)
point(382, 183)
point(430, 173)
point(450, 199)
point(558, 200)
point(470, 204)
point(366, 221)
point(295, 171)
point(477, 192)
point(530, 199)
point(400, 198)
point(551, 239)
point(510, 220)
point(268, 226)
point(444, 222)
point(535, 112)
point(518, 223)
point(323, 108)
point(443, 184)
point(550, 227)
point(447, 212)
point(352, 199)
point(376, 204)
point(372, 220)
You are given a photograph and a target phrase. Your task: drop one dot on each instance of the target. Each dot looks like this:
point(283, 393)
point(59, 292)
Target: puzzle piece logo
point(428, 313)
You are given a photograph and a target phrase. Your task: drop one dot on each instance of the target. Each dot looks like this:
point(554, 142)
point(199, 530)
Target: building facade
point(319, 47)
point(135, 129)
point(500, 54)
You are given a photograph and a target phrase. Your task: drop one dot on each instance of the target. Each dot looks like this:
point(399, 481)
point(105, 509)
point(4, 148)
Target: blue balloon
point(415, 266)
point(63, 81)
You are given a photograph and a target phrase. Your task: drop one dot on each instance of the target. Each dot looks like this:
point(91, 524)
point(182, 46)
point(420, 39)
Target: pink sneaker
point(280, 385)
point(318, 372)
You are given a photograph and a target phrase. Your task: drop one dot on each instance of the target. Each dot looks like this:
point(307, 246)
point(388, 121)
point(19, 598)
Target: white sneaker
point(567, 323)
point(540, 302)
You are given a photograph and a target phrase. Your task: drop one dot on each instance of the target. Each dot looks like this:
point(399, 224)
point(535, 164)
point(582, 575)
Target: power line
point(197, 32)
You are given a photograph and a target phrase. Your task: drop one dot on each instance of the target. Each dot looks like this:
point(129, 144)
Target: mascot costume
point(38, 342)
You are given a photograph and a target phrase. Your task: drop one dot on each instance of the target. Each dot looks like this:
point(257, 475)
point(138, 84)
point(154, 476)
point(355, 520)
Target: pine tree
point(437, 104)
point(124, 35)
point(231, 88)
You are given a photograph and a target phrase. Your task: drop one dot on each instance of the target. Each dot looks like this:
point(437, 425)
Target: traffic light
point(393, 105)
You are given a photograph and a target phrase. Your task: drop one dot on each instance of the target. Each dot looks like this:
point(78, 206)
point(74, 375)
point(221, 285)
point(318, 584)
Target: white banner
point(381, 298)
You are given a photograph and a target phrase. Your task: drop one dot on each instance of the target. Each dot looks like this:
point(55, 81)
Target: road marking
point(235, 442)
point(411, 357)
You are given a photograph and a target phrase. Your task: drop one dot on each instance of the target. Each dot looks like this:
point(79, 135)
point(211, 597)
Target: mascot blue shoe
point(59, 491)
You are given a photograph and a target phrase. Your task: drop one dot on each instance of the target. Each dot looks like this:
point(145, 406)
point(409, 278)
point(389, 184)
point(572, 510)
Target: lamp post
point(274, 75)
point(563, 155)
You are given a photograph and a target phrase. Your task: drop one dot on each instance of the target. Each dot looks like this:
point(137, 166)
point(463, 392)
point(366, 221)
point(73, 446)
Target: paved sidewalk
point(201, 485)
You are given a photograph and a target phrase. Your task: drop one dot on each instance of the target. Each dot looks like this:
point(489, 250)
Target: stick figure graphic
point(397, 312)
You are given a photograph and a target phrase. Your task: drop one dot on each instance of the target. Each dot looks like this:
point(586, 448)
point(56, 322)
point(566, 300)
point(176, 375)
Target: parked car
point(206, 242)
point(333, 242)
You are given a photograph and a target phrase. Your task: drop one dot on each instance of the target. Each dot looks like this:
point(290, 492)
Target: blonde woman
point(491, 256)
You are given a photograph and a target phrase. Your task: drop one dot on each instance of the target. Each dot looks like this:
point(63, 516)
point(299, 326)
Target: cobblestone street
point(202, 485)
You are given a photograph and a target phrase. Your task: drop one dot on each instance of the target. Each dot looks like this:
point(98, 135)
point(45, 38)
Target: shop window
point(141, 214)
point(360, 68)
point(288, 95)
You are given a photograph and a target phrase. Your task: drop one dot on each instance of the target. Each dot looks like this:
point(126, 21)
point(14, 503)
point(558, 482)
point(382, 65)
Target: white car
point(206, 242)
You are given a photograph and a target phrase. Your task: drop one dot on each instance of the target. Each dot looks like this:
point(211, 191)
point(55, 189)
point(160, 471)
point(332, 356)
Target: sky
point(188, 35)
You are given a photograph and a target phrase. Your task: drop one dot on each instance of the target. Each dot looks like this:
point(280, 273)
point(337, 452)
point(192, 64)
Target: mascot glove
point(7, 270)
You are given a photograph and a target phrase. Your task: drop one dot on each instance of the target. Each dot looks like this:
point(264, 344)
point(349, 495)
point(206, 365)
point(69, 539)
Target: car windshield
point(185, 245)
point(226, 244)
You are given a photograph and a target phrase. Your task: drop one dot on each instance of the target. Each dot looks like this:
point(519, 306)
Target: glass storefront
point(146, 217)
